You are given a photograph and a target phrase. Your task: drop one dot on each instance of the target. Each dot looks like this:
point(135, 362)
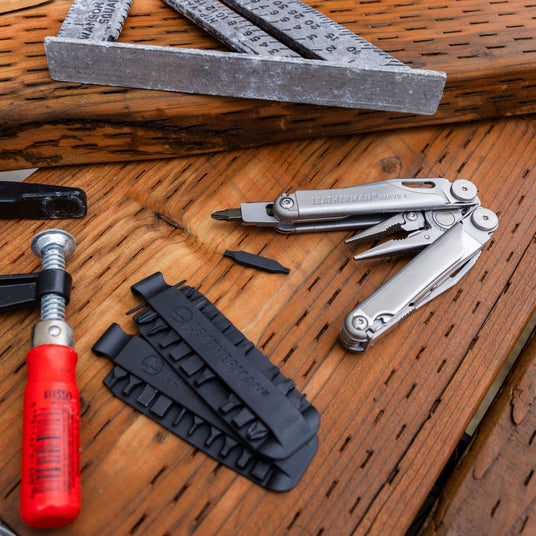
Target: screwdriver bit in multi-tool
point(443, 219)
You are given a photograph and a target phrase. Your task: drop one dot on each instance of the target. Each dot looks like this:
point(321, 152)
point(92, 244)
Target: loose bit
point(257, 261)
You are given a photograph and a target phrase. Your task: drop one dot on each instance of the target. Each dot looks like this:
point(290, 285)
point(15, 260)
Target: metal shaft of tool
point(53, 305)
point(53, 246)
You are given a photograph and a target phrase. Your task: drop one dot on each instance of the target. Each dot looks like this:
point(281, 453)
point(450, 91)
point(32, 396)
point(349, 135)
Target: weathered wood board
point(486, 48)
point(492, 491)
point(390, 417)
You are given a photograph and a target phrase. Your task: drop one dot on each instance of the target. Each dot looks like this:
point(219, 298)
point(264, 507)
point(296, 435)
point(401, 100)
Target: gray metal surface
point(230, 28)
point(244, 75)
point(83, 52)
point(311, 33)
point(395, 195)
point(96, 20)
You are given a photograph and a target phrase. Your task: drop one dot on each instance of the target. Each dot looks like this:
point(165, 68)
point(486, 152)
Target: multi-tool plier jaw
point(427, 227)
point(443, 219)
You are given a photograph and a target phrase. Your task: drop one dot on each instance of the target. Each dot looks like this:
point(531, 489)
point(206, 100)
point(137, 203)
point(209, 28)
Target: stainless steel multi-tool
point(442, 218)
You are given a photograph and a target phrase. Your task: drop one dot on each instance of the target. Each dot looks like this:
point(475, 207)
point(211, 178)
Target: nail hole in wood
point(294, 519)
point(345, 444)
point(379, 416)
point(354, 506)
point(311, 367)
point(138, 523)
point(367, 458)
point(495, 506)
point(393, 372)
point(411, 389)
point(331, 488)
point(180, 493)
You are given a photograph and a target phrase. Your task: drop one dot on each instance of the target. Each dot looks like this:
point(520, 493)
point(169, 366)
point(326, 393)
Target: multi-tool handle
point(433, 271)
point(261, 214)
point(391, 196)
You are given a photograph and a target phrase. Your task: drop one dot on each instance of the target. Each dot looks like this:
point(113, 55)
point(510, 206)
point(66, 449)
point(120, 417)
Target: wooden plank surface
point(493, 491)
point(487, 49)
point(390, 417)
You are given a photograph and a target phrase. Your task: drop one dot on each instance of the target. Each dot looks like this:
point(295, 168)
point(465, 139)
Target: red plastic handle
point(50, 479)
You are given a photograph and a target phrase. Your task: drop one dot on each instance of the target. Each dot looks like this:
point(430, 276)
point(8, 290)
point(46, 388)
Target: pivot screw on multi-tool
point(50, 481)
point(286, 202)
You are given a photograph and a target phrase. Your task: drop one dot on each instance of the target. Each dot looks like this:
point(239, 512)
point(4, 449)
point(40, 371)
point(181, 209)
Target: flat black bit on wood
point(256, 261)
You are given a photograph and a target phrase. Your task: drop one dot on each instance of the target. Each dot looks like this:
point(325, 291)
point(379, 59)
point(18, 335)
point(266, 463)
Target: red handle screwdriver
point(50, 478)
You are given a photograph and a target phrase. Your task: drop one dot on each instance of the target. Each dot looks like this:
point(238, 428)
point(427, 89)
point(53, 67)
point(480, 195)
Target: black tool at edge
point(25, 290)
point(33, 201)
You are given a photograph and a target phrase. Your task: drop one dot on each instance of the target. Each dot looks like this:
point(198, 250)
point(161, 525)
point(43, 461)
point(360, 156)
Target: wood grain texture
point(493, 491)
point(390, 417)
point(487, 49)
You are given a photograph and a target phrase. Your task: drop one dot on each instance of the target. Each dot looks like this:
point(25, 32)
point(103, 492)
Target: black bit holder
point(195, 373)
point(145, 380)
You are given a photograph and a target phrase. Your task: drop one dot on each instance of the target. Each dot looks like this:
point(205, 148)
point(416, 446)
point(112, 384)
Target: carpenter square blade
point(362, 76)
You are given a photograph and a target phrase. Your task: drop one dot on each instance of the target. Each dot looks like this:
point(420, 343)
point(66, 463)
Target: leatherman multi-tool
point(443, 218)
